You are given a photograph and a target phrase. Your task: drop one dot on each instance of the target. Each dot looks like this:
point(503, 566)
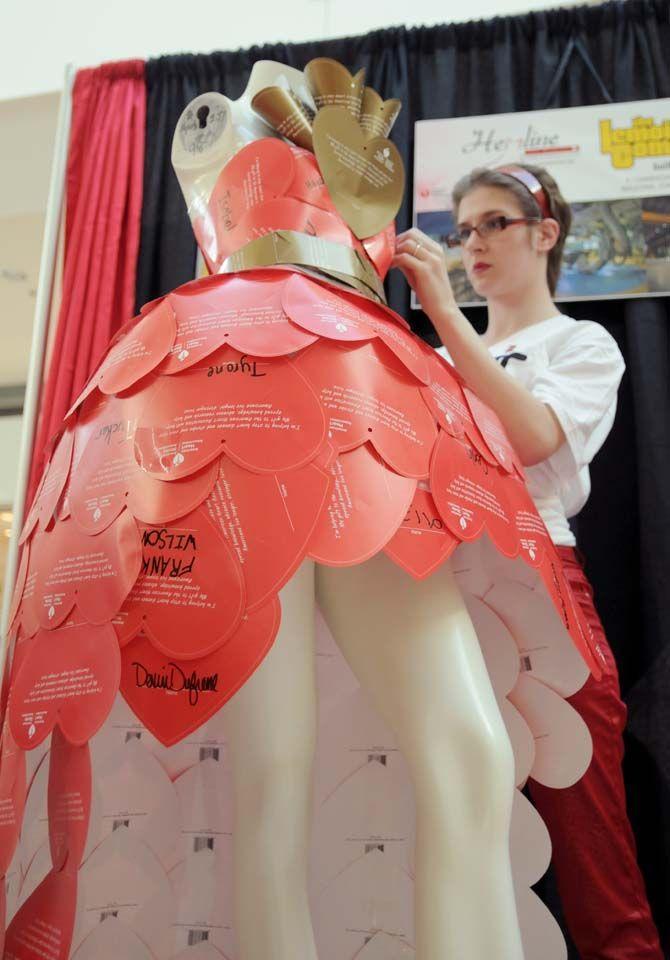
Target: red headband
point(532, 185)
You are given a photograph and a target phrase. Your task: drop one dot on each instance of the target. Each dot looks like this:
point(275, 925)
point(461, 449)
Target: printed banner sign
point(612, 163)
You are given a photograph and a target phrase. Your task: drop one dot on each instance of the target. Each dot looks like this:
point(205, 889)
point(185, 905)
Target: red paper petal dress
point(240, 424)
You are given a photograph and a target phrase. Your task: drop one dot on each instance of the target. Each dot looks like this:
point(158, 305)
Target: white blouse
point(575, 367)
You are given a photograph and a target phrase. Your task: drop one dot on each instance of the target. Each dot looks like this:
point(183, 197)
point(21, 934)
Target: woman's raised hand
point(423, 263)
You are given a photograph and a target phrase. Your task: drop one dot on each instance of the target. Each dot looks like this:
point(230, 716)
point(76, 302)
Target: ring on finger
point(417, 247)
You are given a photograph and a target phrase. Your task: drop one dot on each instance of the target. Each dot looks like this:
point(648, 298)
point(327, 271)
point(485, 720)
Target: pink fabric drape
point(102, 230)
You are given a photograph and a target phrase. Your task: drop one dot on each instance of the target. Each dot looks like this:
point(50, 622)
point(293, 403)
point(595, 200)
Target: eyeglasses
point(487, 228)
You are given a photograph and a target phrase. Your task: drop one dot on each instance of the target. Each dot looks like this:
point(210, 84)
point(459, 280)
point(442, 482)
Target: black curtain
point(561, 58)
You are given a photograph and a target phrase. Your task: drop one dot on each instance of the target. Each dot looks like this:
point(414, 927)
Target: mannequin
point(429, 683)
point(462, 765)
point(286, 441)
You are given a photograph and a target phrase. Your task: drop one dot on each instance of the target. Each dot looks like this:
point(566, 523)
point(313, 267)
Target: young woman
point(553, 382)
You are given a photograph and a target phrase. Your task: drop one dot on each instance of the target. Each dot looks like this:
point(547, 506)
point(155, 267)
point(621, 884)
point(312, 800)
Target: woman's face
point(499, 264)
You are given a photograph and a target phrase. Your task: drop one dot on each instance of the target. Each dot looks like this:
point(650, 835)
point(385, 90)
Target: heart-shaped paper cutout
point(125, 879)
point(534, 539)
point(135, 355)
point(112, 940)
point(268, 519)
point(69, 677)
point(137, 795)
point(286, 113)
point(470, 494)
point(19, 586)
point(331, 84)
point(348, 318)
point(370, 397)
point(243, 311)
point(367, 505)
point(563, 746)
point(570, 611)
point(189, 596)
point(423, 542)
point(12, 797)
point(377, 115)
point(494, 433)
point(308, 184)
point(260, 171)
point(381, 249)
point(108, 477)
point(95, 573)
point(365, 178)
point(46, 919)
point(51, 487)
point(262, 413)
point(173, 697)
point(69, 802)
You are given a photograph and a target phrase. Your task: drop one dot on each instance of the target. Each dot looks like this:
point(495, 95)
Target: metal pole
point(39, 341)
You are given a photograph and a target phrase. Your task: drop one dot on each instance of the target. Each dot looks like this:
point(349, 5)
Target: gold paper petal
point(332, 85)
point(285, 112)
point(377, 115)
point(365, 177)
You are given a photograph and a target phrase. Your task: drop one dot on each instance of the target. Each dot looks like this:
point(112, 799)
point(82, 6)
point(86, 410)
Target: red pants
point(599, 881)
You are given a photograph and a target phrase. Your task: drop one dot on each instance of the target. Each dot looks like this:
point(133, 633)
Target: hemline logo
point(643, 138)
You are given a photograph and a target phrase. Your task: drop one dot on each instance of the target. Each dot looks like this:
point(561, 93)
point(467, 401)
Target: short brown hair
point(558, 205)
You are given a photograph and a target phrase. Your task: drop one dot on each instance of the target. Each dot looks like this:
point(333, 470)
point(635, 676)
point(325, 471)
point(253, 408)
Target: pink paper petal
point(69, 677)
point(262, 413)
point(367, 505)
point(189, 596)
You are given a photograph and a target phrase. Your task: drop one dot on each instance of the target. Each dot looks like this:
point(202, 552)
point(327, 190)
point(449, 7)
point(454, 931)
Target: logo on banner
point(643, 138)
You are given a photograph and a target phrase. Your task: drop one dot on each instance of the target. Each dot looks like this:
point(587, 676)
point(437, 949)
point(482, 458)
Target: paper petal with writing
point(268, 520)
point(325, 312)
point(243, 311)
point(19, 586)
point(140, 351)
point(12, 797)
point(469, 495)
point(262, 170)
point(367, 505)
point(174, 697)
point(570, 612)
point(108, 477)
point(69, 801)
point(51, 486)
point(370, 398)
point(189, 596)
point(96, 573)
point(308, 184)
point(365, 178)
point(345, 317)
point(493, 432)
point(69, 677)
point(532, 534)
point(423, 542)
point(262, 413)
point(50, 908)
point(104, 475)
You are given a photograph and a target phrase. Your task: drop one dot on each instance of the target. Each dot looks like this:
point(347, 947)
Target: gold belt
point(302, 249)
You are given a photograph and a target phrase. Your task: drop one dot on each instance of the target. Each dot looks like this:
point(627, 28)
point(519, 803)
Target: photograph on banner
point(611, 162)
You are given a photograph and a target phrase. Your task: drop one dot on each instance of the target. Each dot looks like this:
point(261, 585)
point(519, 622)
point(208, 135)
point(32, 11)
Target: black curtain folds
point(561, 58)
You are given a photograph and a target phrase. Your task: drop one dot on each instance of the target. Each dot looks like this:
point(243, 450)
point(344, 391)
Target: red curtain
point(102, 229)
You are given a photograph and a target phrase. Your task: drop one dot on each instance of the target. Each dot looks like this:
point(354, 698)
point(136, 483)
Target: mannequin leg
point(271, 730)
point(413, 648)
